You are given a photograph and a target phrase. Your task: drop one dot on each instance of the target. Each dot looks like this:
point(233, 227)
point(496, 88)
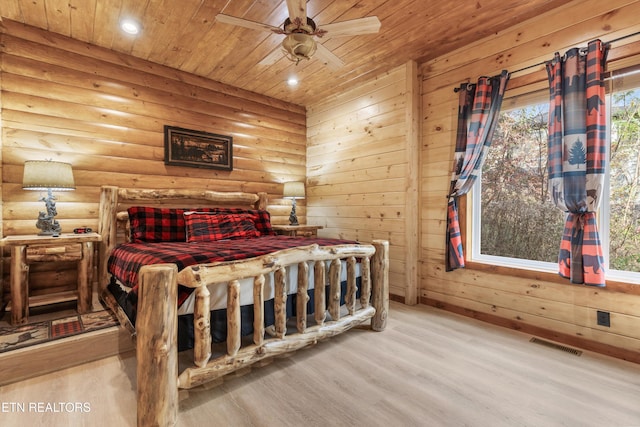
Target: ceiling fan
point(300, 32)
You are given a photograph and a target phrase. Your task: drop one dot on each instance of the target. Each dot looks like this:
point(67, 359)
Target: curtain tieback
point(578, 223)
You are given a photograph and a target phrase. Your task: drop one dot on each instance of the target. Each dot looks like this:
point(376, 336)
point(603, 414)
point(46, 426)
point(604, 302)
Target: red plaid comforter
point(127, 259)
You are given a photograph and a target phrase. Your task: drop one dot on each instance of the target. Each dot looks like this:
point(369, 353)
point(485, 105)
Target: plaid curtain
point(478, 112)
point(577, 157)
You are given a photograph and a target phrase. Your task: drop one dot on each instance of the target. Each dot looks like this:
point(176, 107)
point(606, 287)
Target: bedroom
point(372, 127)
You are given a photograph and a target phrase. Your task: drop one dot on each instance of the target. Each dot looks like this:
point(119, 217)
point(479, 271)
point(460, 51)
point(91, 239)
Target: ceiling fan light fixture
point(299, 46)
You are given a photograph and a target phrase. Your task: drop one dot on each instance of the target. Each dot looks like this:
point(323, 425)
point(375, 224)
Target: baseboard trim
point(608, 350)
point(397, 298)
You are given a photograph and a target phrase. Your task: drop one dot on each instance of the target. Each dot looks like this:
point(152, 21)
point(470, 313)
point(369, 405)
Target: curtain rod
point(457, 89)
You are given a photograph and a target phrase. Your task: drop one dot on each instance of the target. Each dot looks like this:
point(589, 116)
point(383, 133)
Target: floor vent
point(556, 346)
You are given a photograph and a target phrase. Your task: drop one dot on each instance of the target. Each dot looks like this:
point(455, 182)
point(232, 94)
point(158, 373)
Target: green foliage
point(624, 246)
point(525, 232)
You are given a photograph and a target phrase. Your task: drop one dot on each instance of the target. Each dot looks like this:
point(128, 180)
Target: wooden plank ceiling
point(184, 34)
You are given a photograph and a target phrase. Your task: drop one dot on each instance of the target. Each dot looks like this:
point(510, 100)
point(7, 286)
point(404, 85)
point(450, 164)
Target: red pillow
point(151, 225)
point(209, 227)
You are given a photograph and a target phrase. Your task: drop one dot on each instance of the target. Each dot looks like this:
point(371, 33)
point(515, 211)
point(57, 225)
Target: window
point(514, 221)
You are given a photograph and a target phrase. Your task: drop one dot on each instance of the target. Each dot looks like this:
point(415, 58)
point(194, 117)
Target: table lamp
point(47, 175)
point(293, 190)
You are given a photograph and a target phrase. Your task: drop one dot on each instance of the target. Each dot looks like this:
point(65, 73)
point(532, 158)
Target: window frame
point(472, 205)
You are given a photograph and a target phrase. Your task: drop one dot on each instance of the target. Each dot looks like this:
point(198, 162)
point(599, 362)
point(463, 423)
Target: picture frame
point(198, 149)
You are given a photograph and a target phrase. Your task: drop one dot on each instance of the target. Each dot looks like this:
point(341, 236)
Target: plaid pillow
point(152, 225)
point(261, 218)
point(212, 226)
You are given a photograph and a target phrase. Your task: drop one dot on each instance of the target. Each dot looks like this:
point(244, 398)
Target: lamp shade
point(294, 190)
point(43, 175)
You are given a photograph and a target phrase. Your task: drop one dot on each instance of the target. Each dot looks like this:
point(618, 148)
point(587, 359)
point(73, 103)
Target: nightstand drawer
point(71, 252)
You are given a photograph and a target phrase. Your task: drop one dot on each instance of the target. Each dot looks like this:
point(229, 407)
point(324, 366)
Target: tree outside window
point(624, 165)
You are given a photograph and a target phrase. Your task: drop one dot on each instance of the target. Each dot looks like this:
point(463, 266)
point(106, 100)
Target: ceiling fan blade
point(328, 57)
point(297, 9)
point(273, 57)
point(226, 19)
point(354, 27)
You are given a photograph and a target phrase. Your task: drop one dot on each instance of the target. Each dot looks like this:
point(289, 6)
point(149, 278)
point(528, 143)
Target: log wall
point(104, 113)
point(537, 303)
point(362, 168)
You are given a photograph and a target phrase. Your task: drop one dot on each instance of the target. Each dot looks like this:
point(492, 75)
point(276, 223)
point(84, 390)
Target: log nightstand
point(297, 230)
point(30, 249)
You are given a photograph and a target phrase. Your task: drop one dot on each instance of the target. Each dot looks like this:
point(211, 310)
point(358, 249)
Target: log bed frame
point(158, 379)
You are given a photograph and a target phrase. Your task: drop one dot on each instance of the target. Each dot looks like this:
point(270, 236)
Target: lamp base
point(293, 219)
point(46, 220)
point(48, 226)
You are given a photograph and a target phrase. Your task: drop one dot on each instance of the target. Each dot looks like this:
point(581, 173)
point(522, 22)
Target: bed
point(278, 294)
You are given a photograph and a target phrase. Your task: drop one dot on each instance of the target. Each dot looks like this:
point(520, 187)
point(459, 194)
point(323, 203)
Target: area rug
point(12, 338)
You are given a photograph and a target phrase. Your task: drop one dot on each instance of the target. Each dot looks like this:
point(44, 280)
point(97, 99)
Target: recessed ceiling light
point(292, 81)
point(130, 26)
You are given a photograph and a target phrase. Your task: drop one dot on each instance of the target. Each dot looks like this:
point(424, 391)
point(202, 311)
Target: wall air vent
point(556, 346)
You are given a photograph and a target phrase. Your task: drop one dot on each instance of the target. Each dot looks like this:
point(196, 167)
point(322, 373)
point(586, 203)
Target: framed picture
point(185, 147)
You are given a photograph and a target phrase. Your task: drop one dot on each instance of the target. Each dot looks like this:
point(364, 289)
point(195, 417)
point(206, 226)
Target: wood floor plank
point(428, 368)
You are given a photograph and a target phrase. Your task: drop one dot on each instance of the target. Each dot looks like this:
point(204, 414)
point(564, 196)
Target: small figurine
point(46, 222)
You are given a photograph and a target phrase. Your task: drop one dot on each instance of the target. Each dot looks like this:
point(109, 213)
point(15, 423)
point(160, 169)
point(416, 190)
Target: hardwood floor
point(428, 368)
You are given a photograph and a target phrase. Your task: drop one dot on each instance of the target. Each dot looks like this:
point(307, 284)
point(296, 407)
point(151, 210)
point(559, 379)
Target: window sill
point(612, 286)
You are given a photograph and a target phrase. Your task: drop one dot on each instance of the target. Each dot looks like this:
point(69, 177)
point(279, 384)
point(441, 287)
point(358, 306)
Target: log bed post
point(365, 282)
point(258, 309)
point(302, 297)
point(350, 296)
point(202, 326)
point(280, 302)
point(335, 269)
point(156, 347)
point(380, 279)
point(320, 308)
point(262, 201)
point(107, 230)
point(234, 332)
